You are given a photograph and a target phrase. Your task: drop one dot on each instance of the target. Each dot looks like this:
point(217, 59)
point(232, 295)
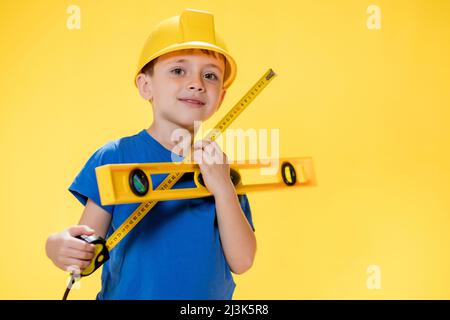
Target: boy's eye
point(175, 71)
point(210, 75)
point(214, 77)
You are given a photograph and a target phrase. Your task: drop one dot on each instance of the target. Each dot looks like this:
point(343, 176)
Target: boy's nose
point(196, 87)
point(196, 83)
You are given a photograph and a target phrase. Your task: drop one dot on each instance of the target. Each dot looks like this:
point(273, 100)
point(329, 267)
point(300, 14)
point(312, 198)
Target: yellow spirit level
point(131, 183)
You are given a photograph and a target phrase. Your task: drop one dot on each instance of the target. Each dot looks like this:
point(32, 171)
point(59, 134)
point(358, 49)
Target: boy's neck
point(162, 132)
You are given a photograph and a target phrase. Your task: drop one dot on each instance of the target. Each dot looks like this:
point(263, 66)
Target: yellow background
point(370, 106)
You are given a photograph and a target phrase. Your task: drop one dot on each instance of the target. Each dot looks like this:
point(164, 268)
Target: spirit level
point(132, 183)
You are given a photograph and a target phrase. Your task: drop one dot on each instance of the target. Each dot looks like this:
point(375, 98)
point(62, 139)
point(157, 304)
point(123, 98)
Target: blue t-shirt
point(174, 252)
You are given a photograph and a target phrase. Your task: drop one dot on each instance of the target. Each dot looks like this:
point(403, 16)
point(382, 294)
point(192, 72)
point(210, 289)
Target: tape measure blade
point(169, 167)
point(242, 104)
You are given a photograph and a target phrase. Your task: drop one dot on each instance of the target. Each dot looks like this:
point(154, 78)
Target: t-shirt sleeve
point(245, 205)
point(85, 185)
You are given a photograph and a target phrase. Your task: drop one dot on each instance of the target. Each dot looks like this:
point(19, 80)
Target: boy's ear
point(144, 85)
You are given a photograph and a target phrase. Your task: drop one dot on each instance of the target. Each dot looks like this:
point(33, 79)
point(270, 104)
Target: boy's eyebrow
point(206, 65)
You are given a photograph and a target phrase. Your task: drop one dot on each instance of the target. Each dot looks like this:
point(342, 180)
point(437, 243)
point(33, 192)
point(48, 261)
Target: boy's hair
point(148, 68)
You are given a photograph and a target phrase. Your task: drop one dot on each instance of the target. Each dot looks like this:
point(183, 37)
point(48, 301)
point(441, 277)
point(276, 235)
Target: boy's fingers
point(203, 147)
point(81, 245)
point(215, 145)
point(201, 144)
point(203, 158)
point(219, 154)
point(72, 269)
point(78, 254)
point(208, 159)
point(218, 149)
point(197, 156)
point(215, 153)
point(209, 153)
point(209, 148)
point(79, 230)
point(70, 262)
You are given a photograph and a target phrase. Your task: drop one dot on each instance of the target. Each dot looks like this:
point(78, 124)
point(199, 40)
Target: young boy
point(182, 249)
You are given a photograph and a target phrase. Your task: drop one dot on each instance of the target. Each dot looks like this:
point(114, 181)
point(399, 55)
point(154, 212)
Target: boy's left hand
point(213, 166)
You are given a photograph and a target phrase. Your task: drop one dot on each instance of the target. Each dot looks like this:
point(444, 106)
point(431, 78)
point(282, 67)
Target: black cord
point(69, 286)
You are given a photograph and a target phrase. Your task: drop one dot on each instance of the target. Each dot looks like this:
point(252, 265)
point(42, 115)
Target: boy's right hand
point(69, 253)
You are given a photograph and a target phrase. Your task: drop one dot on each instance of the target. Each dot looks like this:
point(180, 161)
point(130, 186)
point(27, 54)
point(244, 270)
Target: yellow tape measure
point(170, 181)
point(131, 183)
point(102, 248)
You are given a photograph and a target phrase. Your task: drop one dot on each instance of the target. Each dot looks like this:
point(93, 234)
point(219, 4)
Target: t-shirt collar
point(149, 138)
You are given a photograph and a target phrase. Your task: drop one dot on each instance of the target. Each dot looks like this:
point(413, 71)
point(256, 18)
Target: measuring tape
point(101, 255)
point(170, 180)
point(131, 183)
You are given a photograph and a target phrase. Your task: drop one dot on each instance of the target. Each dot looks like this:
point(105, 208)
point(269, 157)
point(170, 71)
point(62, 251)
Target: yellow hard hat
point(192, 29)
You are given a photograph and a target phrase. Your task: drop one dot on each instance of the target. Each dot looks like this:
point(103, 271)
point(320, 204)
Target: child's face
point(198, 76)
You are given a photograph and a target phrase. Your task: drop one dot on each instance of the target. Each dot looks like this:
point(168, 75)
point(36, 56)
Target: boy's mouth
point(193, 102)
